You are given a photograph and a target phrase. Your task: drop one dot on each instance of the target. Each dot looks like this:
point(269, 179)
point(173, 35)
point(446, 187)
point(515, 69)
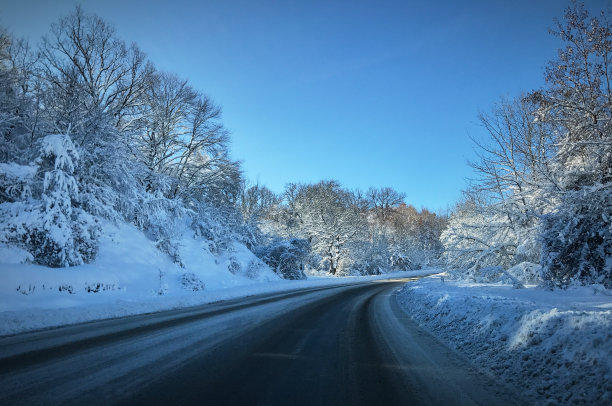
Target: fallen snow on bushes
point(553, 346)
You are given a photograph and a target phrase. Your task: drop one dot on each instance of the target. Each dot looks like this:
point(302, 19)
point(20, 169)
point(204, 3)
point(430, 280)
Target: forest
point(92, 132)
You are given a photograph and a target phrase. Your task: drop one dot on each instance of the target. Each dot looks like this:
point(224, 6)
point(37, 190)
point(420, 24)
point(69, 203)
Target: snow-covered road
point(326, 345)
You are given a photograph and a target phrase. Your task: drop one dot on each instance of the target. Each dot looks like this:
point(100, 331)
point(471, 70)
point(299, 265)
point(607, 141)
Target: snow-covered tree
point(83, 59)
point(383, 200)
point(544, 175)
point(285, 257)
point(51, 227)
point(329, 220)
point(182, 139)
point(94, 84)
point(515, 185)
point(326, 215)
point(576, 236)
point(19, 110)
point(477, 238)
point(415, 237)
point(256, 202)
point(68, 234)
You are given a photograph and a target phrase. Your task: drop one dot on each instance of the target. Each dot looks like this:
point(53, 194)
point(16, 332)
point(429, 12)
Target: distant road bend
point(346, 345)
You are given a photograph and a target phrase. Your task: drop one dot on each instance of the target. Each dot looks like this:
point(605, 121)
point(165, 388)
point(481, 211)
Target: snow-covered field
point(131, 276)
point(553, 346)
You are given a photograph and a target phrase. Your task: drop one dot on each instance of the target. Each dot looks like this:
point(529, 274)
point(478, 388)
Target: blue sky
point(371, 93)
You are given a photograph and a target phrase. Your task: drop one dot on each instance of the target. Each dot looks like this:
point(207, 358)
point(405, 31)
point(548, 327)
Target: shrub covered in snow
point(577, 239)
point(286, 258)
point(234, 265)
point(526, 273)
point(190, 281)
point(51, 227)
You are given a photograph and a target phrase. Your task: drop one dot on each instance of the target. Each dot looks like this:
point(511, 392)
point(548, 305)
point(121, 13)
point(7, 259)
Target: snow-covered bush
point(526, 273)
point(286, 258)
point(162, 220)
point(401, 261)
point(255, 267)
point(234, 265)
point(190, 281)
point(577, 239)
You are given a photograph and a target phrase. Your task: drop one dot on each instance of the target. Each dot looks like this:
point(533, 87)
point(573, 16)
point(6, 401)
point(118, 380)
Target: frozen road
point(345, 345)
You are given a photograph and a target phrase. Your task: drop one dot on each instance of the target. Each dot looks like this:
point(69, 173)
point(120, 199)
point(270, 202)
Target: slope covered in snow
point(555, 345)
point(131, 276)
point(129, 272)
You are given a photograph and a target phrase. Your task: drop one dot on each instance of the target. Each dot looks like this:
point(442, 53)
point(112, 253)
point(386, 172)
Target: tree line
point(344, 232)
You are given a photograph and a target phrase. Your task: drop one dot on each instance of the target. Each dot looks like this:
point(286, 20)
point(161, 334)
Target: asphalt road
point(349, 345)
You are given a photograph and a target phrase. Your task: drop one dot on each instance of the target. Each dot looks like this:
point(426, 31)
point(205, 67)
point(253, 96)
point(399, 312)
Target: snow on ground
point(553, 346)
point(131, 276)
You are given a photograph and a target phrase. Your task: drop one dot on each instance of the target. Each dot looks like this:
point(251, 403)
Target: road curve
point(348, 345)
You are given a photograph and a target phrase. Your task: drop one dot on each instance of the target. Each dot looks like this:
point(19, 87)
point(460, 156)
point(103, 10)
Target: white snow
point(16, 172)
point(131, 276)
point(14, 255)
point(554, 346)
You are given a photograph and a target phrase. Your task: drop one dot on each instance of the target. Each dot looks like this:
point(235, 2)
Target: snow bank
point(555, 346)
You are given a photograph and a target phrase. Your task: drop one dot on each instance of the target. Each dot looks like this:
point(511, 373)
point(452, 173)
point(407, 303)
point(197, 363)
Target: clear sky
point(371, 93)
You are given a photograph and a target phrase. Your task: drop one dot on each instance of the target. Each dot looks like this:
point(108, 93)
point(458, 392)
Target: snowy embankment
point(131, 276)
point(554, 346)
